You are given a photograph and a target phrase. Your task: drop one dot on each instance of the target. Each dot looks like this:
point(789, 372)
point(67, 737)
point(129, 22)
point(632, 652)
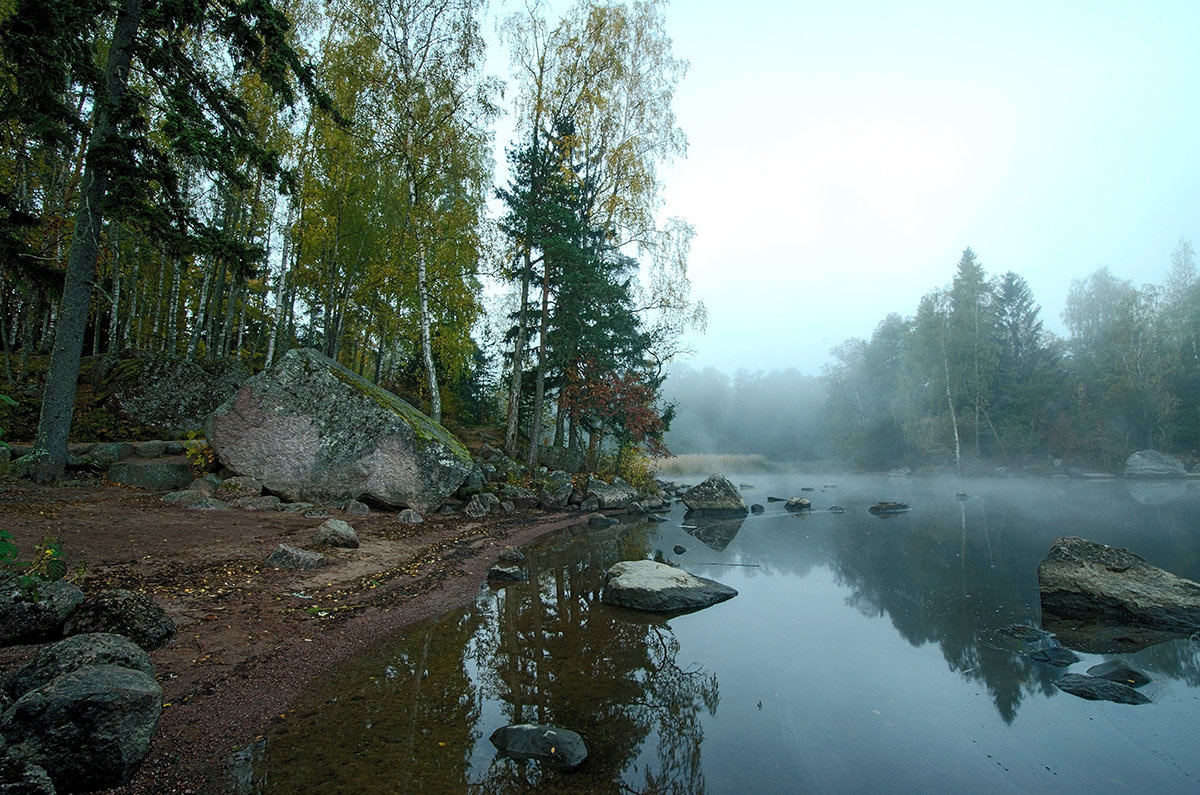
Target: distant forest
point(974, 380)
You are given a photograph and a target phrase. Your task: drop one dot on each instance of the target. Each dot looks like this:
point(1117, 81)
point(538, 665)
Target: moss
point(423, 426)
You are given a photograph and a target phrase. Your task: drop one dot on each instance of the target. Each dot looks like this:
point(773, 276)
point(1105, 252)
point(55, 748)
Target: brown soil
point(249, 637)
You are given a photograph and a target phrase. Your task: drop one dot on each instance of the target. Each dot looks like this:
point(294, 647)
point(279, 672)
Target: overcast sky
point(842, 154)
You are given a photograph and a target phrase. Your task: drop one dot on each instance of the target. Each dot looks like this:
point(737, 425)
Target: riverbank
point(250, 637)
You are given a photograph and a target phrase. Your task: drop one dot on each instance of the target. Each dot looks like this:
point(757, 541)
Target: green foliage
point(45, 566)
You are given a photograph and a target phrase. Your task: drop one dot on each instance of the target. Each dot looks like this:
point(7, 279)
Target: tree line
point(974, 376)
point(229, 179)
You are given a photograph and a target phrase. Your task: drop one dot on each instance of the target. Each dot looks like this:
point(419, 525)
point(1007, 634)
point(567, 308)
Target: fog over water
point(861, 654)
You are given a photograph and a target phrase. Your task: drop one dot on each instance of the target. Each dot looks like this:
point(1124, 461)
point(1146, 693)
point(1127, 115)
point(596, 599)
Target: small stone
point(289, 557)
point(335, 533)
point(511, 555)
point(409, 516)
point(1119, 671)
point(756, 508)
point(356, 508)
point(680, 549)
point(1095, 688)
point(150, 449)
point(600, 520)
point(503, 573)
point(206, 504)
point(239, 486)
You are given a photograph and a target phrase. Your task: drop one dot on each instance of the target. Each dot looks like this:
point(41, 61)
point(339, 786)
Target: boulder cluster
point(80, 715)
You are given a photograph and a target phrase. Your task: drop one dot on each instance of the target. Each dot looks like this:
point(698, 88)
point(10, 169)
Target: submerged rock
point(1119, 671)
point(658, 588)
point(888, 508)
point(562, 749)
point(1097, 689)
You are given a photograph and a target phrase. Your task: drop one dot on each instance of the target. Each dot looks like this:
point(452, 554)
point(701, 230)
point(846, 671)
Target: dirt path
point(249, 637)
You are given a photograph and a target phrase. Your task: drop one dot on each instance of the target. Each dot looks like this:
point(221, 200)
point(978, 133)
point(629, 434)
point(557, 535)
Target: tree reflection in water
point(411, 714)
point(559, 656)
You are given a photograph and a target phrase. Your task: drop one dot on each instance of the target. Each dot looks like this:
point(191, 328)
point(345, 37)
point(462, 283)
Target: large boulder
point(309, 429)
point(659, 588)
point(26, 616)
point(73, 653)
point(1084, 584)
point(716, 495)
point(89, 728)
point(171, 395)
point(128, 613)
point(617, 494)
point(559, 748)
point(1153, 464)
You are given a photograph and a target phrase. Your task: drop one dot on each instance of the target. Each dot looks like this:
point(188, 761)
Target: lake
point(861, 654)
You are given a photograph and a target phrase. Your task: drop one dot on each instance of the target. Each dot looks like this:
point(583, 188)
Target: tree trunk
point(171, 343)
point(114, 317)
point(539, 383)
point(514, 392)
point(58, 402)
point(435, 395)
point(953, 415)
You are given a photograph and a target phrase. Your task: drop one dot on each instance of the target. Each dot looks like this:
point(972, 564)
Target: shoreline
point(250, 638)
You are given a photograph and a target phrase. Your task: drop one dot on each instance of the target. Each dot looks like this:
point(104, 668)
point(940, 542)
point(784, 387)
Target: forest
point(227, 179)
point(222, 180)
point(973, 380)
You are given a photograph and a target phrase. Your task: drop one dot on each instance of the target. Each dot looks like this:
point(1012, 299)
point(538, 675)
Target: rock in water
point(1097, 689)
point(659, 588)
point(1153, 464)
point(716, 495)
point(559, 748)
point(1081, 580)
point(1119, 671)
point(89, 728)
point(309, 429)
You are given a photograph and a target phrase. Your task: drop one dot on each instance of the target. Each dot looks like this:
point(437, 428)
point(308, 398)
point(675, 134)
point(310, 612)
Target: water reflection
point(544, 651)
point(415, 712)
point(715, 532)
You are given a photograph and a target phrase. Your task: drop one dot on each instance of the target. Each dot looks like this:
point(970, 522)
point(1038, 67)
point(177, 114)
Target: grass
point(707, 463)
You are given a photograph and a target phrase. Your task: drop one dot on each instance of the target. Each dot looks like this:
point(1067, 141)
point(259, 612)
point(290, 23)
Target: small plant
point(47, 564)
point(199, 454)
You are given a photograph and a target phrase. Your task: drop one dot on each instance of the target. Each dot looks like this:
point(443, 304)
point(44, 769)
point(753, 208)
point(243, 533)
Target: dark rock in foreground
point(24, 778)
point(89, 729)
point(73, 653)
point(1084, 583)
point(1097, 689)
point(658, 588)
point(562, 749)
point(24, 619)
point(134, 615)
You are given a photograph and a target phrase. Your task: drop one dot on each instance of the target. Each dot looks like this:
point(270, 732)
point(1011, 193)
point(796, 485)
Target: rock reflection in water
point(410, 715)
point(714, 531)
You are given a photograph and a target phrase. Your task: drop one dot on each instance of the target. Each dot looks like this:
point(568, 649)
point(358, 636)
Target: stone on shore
point(286, 556)
point(128, 613)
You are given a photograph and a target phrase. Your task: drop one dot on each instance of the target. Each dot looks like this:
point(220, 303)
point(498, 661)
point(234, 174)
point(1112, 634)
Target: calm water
point(860, 655)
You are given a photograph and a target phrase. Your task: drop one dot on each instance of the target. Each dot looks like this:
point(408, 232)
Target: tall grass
point(708, 463)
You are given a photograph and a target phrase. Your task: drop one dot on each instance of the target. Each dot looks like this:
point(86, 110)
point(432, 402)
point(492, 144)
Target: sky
point(843, 154)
